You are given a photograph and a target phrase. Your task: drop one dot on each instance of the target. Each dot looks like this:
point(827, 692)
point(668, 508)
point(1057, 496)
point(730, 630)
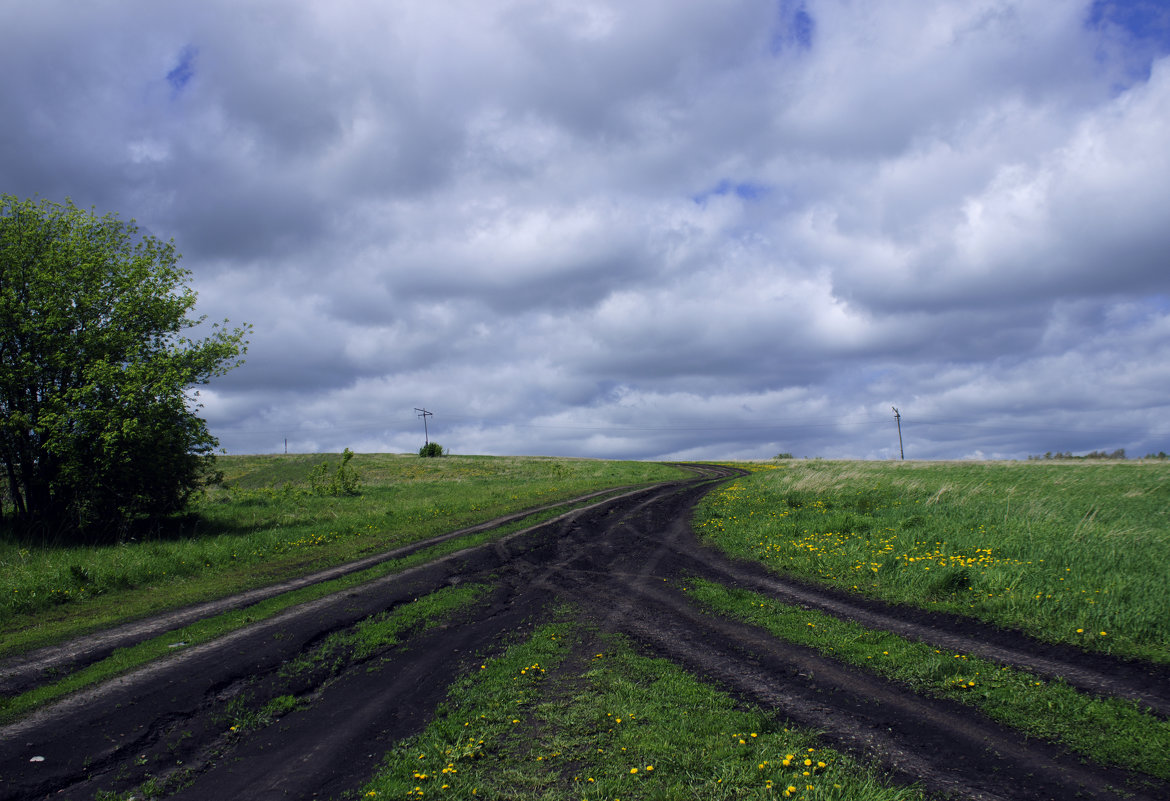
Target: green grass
point(126, 659)
point(1071, 552)
point(265, 524)
point(384, 630)
point(570, 715)
point(1107, 730)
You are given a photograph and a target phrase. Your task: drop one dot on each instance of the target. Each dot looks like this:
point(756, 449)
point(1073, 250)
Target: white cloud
point(654, 229)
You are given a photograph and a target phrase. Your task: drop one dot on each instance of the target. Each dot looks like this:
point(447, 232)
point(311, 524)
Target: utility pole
point(898, 420)
point(424, 414)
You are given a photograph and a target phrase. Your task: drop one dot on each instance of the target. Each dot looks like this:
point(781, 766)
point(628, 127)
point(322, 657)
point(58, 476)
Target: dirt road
point(620, 562)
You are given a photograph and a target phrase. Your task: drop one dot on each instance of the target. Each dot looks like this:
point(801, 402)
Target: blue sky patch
point(1145, 20)
point(794, 27)
point(1146, 25)
point(184, 71)
point(745, 191)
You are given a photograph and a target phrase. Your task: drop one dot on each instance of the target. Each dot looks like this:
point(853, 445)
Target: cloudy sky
point(637, 228)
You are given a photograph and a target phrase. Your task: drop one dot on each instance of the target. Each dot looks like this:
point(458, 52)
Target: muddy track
point(28, 670)
point(622, 563)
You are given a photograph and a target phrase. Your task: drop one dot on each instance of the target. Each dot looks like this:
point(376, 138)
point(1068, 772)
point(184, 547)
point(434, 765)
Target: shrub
point(431, 449)
point(344, 481)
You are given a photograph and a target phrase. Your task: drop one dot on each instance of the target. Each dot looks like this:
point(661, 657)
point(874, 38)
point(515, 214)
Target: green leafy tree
point(97, 417)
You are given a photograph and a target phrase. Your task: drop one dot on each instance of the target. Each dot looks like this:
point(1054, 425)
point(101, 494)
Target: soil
point(623, 563)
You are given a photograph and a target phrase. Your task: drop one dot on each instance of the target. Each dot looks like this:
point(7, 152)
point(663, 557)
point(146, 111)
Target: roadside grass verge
point(268, 522)
point(1068, 552)
point(569, 714)
point(1107, 730)
point(123, 660)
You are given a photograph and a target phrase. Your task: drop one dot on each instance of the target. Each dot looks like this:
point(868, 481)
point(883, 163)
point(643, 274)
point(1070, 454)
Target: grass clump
point(1071, 551)
point(385, 630)
point(570, 715)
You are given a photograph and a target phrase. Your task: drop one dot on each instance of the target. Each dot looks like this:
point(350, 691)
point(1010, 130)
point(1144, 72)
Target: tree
point(97, 426)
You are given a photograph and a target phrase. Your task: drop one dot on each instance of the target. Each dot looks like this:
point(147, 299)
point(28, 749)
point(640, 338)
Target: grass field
point(1070, 552)
point(266, 522)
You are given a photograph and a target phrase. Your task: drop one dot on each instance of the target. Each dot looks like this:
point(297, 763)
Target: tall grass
point(266, 523)
point(1072, 552)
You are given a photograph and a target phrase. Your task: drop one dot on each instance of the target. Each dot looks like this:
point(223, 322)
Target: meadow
point(273, 518)
point(1072, 552)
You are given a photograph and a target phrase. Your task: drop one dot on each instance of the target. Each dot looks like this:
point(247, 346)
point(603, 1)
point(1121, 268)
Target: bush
point(431, 449)
point(344, 481)
point(97, 423)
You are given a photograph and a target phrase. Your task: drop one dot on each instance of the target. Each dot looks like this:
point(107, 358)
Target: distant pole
point(286, 446)
point(898, 420)
point(424, 414)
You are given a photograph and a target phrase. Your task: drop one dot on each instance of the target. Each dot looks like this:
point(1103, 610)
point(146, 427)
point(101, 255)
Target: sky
point(662, 229)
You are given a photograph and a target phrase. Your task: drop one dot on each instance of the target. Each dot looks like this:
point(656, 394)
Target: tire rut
point(25, 671)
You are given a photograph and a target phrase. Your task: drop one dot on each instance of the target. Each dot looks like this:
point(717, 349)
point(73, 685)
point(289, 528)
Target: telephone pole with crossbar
point(424, 414)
